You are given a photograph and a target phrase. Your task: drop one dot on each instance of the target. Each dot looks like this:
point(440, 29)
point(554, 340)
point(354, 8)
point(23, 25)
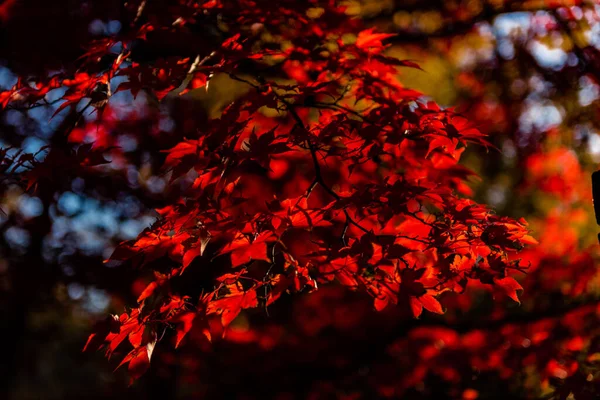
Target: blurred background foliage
point(527, 73)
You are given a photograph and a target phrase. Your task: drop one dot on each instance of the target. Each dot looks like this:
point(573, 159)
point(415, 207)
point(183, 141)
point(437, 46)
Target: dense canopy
point(318, 199)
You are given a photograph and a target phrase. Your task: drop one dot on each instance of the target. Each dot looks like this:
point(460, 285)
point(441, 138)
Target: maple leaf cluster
point(325, 170)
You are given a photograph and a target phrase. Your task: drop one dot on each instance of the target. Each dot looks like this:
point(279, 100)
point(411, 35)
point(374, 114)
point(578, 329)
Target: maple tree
point(318, 189)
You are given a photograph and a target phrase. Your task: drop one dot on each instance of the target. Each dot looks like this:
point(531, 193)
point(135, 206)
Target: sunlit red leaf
point(230, 306)
point(510, 286)
point(431, 304)
point(369, 39)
